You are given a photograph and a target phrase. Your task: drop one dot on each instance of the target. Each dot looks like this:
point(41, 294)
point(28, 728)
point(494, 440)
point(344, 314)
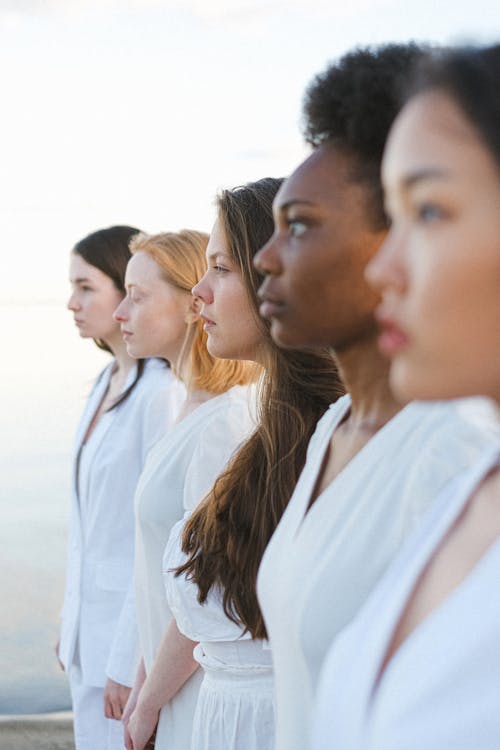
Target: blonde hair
point(181, 258)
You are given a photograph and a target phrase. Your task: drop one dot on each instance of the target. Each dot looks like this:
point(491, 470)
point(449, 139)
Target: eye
point(219, 269)
point(296, 227)
point(86, 288)
point(429, 212)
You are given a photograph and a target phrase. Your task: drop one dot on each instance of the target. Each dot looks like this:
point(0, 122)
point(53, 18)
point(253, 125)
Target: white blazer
point(98, 619)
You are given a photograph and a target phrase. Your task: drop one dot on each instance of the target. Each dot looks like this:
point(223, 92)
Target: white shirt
point(322, 563)
point(441, 688)
point(97, 616)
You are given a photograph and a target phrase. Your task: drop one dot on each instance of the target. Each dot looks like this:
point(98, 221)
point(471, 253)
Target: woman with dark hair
point(210, 564)
point(419, 666)
point(128, 410)
point(375, 463)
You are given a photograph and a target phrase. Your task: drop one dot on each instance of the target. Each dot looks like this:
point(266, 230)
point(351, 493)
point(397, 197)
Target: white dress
point(179, 472)
point(235, 708)
point(321, 564)
point(441, 688)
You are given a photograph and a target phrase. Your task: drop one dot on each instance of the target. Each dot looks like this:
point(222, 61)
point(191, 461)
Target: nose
point(121, 312)
point(267, 260)
point(387, 269)
point(203, 290)
point(72, 303)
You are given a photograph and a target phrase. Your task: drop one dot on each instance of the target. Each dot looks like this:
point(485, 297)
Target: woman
point(159, 317)
point(128, 410)
point(419, 667)
point(373, 465)
point(211, 563)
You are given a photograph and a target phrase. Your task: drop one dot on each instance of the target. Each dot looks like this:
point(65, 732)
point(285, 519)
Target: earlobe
point(193, 313)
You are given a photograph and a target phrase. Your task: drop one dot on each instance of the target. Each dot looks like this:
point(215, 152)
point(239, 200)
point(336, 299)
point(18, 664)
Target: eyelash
point(219, 269)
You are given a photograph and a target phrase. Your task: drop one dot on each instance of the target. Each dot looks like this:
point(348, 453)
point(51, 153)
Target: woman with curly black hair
point(373, 464)
point(419, 667)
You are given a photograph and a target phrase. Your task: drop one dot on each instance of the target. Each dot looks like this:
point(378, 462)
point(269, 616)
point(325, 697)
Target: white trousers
point(93, 731)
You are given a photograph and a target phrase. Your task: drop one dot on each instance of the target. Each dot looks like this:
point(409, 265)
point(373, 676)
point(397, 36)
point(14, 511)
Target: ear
point(193, 313)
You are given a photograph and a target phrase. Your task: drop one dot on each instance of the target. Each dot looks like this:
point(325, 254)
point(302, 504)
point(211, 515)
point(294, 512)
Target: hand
point(141, 727)
point(57, 653)
point(115, 699)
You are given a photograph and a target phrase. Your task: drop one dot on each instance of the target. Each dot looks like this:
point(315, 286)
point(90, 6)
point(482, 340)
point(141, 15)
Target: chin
point(290, 337)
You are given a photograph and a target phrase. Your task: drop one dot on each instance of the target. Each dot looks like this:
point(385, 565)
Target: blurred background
point(134, 112)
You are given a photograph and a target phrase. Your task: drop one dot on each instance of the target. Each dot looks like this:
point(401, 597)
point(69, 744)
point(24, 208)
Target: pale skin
point(173, 666)
point(221, 299)
point(440, 301)
point(92, 301)
point(154, 316)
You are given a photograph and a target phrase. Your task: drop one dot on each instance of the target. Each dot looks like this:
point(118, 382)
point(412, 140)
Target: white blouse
point(441, 688)
point(322, 563)
point(179, 472)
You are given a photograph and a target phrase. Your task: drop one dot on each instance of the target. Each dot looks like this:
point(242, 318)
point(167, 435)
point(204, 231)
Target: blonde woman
point(160, 317)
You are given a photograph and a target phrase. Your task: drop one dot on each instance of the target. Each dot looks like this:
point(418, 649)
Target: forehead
point(325, 177)
point(142, 268)
point(432, 132)
point(79, 268)
point(217, 243)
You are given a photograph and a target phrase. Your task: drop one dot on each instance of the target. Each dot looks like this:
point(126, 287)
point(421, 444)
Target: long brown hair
point(227, 534)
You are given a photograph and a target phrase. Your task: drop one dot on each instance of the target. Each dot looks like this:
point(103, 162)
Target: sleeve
point(157, 410)
point(123, 658)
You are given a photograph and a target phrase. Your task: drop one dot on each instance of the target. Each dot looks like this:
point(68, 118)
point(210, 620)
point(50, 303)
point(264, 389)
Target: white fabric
point(235, 708)
point(441, 688)
point(92, 730)
point(321, 564)
point(97, 611)
point(179, 472)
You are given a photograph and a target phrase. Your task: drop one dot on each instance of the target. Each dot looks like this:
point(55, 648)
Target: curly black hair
point(353, 103)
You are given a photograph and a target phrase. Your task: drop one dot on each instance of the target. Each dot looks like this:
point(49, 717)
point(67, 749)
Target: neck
point(365, 373)
point(124, 362)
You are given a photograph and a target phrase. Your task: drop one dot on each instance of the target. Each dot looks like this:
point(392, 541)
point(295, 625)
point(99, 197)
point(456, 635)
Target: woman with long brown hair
point(211, 562)
point(160, 317)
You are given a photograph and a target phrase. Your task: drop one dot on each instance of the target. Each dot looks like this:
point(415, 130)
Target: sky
point(138, 111)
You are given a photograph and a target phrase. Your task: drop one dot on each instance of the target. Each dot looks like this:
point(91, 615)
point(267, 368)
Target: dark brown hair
point(108, 250)
point(227, 534)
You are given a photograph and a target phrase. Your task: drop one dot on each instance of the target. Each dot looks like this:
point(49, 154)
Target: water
point(46, 374)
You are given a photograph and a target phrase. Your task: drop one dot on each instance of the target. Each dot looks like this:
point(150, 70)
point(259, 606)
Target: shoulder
point(460, 420)
point(156, 378)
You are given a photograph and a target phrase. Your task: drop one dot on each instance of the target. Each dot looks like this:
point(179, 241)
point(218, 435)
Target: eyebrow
point(429, 173)
point(81, 280)
point(217, 253)
point(294, 202)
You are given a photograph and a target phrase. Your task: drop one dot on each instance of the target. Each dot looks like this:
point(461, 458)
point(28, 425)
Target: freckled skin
point(154, 311)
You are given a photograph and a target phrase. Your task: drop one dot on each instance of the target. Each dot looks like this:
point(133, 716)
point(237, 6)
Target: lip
point(270, 305)
point(77, 322)
point(126, 334)
point(392, 338)
point(208, 322)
